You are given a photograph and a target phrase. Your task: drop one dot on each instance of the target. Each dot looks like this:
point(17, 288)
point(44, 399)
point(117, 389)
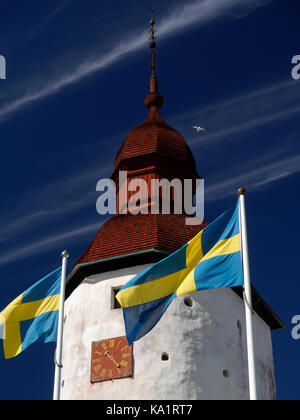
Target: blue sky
point(77, 75)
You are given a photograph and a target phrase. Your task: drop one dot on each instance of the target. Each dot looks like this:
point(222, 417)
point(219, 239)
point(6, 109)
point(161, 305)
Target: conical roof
point(154, 136)
point(151, 150)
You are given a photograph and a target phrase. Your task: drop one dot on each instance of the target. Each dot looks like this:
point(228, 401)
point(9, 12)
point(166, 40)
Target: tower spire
point(152, 44)
point(153, 99)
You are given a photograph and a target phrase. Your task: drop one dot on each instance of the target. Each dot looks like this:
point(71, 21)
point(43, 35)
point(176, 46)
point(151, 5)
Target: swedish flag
point(32, 317)
point(211, 260)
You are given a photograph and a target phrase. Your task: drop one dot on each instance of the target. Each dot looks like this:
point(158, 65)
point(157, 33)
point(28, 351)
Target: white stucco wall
point(202, 341)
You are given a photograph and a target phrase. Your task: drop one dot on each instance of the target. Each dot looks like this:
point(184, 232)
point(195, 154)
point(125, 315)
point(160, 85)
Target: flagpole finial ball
point(64, 254)
point(241, 191)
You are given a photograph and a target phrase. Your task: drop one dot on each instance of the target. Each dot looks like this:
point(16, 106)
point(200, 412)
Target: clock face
point(111, 359)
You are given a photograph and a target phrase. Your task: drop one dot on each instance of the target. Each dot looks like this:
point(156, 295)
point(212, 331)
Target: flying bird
point(198, 128)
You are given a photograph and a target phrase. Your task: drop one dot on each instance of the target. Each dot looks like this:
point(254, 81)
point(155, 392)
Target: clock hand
point(111, 358)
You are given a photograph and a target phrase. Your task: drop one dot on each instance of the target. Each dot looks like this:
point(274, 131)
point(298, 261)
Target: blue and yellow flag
point(211, 260)
point(32, 317)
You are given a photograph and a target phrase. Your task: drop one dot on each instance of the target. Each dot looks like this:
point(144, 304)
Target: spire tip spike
point(153, 65)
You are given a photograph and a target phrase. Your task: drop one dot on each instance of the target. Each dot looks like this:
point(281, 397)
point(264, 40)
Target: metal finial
point(153, 65)
point(64, 254)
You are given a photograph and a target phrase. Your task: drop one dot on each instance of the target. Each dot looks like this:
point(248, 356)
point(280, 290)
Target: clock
point(111, 359)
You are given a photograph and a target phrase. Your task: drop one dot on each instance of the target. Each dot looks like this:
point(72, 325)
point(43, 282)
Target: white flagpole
point(247, 296)
point(59, 345)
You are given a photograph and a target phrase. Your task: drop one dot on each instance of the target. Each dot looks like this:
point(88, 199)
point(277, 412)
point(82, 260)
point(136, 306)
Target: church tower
point(198, 349)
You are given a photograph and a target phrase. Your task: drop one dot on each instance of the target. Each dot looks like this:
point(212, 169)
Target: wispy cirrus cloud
point(76, 192)
point(254, 179)
point(67, 197)
point(243, 112)
point(231, 124)
point(58, 203)
point(52, 241)
point(54, 12)
point(179, 19)
point(54, 201)
point(204, 11)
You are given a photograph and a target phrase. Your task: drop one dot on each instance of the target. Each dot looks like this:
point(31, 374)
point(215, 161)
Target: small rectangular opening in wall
point(114, 303)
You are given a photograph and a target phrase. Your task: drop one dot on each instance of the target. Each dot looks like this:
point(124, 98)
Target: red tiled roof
point(155, 145)
point(128, 233)
point(155, 136)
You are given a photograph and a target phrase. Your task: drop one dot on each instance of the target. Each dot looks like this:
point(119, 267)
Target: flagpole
point(247, 296)
point(59, 345)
